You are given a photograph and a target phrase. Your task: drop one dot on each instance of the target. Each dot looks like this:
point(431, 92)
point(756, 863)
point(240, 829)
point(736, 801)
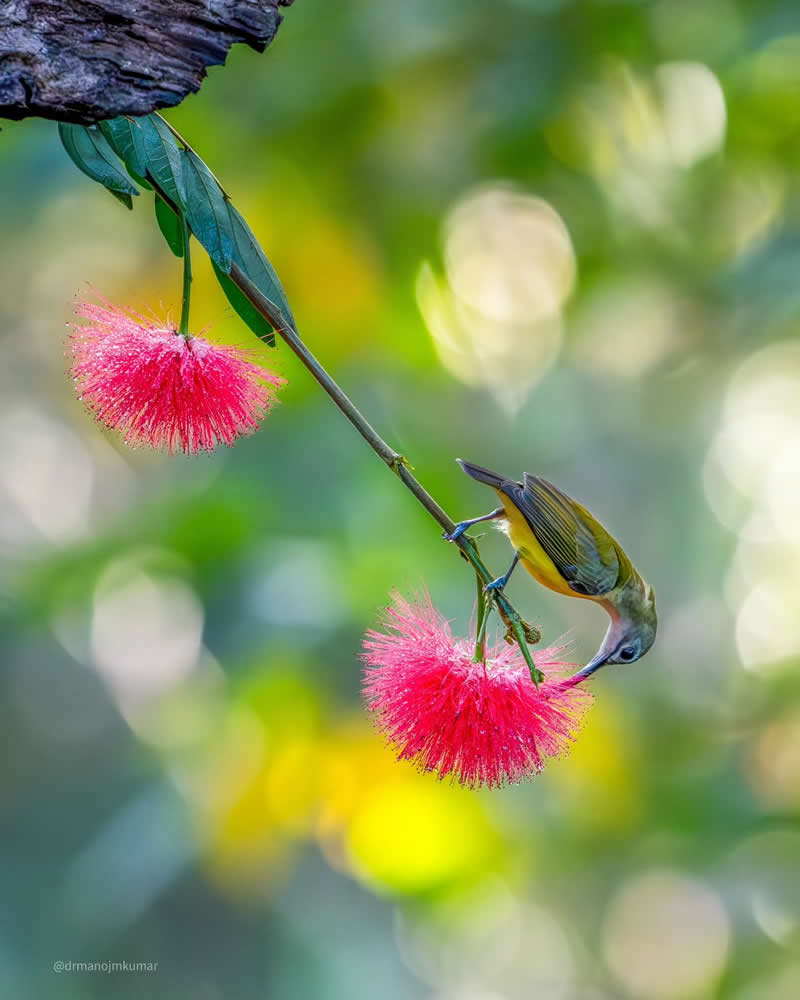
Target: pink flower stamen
point(162, 389)
point(482, 724)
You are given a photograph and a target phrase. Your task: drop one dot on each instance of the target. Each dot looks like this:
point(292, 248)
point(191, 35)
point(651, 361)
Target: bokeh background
point(548, 236)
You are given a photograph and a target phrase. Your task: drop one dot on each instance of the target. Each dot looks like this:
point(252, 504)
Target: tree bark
point(80, 61)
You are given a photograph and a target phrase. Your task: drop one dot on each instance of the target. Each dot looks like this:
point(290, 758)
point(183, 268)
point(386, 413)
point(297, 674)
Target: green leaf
point(183, 182)
point(252, 260)
point(141, 181)
point(170, 225)
point(148, 148)
point(125, 136)
point(91, 153)
point(251, 316)
point(207, 211)
point(164, 159)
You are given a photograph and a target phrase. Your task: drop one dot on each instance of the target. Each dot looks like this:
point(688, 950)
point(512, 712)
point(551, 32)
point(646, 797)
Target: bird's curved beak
point(597, 661)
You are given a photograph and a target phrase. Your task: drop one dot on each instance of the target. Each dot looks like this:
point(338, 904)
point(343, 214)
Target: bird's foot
point(462, 526)
point(457, 532)
point(496, 585)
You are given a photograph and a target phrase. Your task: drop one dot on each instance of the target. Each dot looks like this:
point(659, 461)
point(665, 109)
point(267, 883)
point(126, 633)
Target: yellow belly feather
point(532, 556)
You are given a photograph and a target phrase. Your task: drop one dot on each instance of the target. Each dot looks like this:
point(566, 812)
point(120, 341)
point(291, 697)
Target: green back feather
point(585, 554)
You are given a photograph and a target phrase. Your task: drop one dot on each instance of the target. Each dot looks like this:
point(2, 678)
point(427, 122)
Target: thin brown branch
point(517, 627)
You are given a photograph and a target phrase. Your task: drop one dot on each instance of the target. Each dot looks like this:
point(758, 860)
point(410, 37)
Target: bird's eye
point(627, 653)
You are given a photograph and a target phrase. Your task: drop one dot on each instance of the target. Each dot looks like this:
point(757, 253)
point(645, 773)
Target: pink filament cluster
point(162, 389)
point(483, 724)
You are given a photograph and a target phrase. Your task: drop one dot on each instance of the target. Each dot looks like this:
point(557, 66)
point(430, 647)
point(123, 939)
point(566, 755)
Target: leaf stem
point(480, 624)
point(187, 278)
point(517, 627)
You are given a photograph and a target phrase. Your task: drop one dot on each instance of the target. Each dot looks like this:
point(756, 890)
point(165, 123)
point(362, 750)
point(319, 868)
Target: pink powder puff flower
point(162, 389)
point(483, 724)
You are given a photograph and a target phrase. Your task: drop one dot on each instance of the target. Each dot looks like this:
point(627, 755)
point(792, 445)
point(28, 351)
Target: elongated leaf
point(149, 149)
point(252, 260)
point(207, 211)
point(170, 226)
point(90, 152)
point(140, 180)
point(260, 327)
point(125, 136)
point(164, 159)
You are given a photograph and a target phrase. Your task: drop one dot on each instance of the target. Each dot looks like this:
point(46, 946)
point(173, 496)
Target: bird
point(566, 549)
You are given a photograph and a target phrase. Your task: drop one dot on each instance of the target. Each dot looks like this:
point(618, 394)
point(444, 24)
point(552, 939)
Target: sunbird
point(566, 549)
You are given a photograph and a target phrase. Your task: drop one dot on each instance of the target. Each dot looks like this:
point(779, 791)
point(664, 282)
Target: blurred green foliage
point(548, 236)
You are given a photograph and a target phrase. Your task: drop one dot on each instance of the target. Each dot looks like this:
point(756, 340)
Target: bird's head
point(631, 633)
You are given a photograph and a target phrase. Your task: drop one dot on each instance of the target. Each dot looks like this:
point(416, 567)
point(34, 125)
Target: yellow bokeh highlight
point(354, 761)
point(600, 782)
point(413, 835)
point(300, 238)
point(261, 775)
point(399, 830)
point(279, 775)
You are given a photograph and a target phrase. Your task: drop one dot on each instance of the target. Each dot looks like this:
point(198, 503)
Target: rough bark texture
point(80, 61)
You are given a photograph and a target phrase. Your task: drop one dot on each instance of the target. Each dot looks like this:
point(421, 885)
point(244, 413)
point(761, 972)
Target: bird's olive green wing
point(580, 547)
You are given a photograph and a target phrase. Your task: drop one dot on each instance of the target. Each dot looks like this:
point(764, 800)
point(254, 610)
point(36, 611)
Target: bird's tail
point(481, 474)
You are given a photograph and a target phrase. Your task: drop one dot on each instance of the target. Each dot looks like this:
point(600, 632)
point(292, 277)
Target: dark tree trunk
point(80, 61)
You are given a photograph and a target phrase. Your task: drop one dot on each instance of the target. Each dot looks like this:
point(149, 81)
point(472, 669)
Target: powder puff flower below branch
point(481, 723)
point(162, 389)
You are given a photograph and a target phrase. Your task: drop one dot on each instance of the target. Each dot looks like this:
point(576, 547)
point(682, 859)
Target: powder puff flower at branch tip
point(159, 388)
point(479, 723)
